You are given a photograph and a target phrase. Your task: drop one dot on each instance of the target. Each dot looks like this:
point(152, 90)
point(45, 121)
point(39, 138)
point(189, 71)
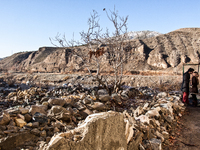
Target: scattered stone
point(85, 113)
point(4, 119)
point(48, 139)
point(70, 100)
point(20, 116)
point(138, 111)
point(160, 136)
point(65, 117)
point(27, 117)
point(39, 117)
point(56, 101)
point(12, 122)
point(130, 92)
point(61, 113)
point(44, 99)
point(20, 122)
point(23, 111)
point(29, 124)
point(79, 106)
point(116, 98)
point(98, 106)
point(38, 108)
point(45, 103)
point(56, 130)
point(104, 98)
point(152, 113)
point(35, 131)
point(162, 95)
point(35, 124)
point(82, 96)
point(43, 133)
point(156, 144)
point(87, 101)
point(165, 135)
point(14, 128)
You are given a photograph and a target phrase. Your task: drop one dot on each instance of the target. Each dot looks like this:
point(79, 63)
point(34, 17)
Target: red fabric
point(185, 97)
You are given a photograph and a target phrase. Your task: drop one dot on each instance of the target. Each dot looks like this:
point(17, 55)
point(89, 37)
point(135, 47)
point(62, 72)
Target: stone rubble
point(49, 114)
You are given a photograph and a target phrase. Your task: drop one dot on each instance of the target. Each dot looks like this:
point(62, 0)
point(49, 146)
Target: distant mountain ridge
point(142, 34)
point(154, 52)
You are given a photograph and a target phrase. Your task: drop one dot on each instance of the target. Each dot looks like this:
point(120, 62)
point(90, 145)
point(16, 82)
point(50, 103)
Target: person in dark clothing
point(194, 89)
point(185, 85)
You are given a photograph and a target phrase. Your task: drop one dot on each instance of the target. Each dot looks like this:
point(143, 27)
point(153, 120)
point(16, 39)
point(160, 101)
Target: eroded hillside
point(163, 52)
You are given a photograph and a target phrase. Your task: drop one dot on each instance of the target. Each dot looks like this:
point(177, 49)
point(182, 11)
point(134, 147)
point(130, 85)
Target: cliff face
point(174, 48)
point(160, 52)
point(46, 59)
point(14, 61)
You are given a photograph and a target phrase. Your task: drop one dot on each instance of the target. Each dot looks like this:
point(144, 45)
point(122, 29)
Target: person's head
point(195, 73)
point(190, 70)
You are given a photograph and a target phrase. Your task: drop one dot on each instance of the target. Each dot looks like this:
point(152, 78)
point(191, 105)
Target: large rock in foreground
point(98, 131)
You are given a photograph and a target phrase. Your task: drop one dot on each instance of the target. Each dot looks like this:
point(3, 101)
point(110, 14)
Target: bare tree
point(115, 47)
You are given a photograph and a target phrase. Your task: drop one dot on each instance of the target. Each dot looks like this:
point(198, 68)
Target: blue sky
point(26, 25)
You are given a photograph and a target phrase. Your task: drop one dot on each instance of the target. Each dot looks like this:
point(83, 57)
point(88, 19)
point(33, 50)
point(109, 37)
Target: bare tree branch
point(113, 47)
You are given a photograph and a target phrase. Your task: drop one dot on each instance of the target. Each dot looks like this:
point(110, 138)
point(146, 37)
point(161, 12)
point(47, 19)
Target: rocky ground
point(31, 115)
point(37, 116)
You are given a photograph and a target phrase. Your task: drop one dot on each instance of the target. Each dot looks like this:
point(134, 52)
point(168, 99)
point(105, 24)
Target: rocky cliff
point(162, 52)
point(174, 48)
